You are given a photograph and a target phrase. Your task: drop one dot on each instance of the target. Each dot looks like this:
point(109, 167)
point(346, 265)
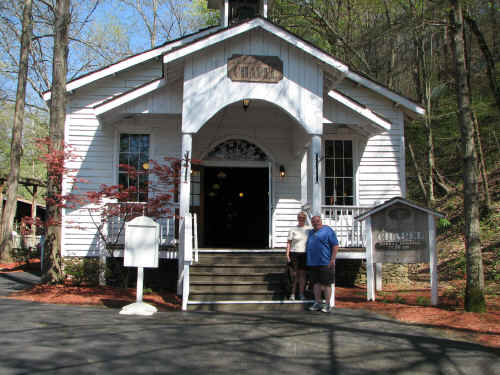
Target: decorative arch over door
point(237, 150)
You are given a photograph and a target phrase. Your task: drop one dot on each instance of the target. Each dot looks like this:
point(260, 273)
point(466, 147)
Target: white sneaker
point(292, 298)
point(315, 307)
point(326, 308)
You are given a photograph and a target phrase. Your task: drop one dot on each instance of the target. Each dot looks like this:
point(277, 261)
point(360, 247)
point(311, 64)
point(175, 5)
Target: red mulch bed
point(404, 303)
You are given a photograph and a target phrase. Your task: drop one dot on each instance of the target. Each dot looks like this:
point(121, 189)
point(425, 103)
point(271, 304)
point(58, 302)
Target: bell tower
point(236, 11)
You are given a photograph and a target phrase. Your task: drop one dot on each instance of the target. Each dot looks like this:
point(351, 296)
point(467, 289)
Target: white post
point(187, 235)
point(185, 178)
point(378, 276)
point(226, 13)
point(370, 287)
point(433, 259)
point(264, 9)
point(316, 170)
point(184, 200)
point(303, 178)
point(332, 298)
point(140, 283)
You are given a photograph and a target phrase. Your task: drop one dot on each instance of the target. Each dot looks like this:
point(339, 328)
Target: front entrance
point(236, 207)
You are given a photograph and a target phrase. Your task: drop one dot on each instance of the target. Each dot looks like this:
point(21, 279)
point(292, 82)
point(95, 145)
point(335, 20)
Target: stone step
point(251, 307)
point(227, 278)
point(226, 296)
point(241, 259)
point(236, 288)
point(197, 269)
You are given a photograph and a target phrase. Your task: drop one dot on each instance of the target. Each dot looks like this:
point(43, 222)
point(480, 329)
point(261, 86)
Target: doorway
point(236, 207)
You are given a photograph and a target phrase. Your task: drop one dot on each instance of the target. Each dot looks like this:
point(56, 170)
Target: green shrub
point(399, 299)
point(423, 301)
point(82, 271)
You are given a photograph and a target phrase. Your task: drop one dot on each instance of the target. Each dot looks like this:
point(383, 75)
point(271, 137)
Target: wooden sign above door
point(254, 68)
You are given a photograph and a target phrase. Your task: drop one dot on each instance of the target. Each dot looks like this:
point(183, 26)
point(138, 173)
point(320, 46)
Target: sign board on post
point(399, 231)
point(142, 241)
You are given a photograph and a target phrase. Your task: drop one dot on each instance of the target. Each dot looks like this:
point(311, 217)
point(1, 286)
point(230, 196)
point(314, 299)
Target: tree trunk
point(474, 291)
point(52, 265)
point(490, 61)
point(16, 147)
point(417, 171)
point(482, 164)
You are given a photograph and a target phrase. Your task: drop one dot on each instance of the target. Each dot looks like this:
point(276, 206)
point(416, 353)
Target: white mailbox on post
point(142, 241)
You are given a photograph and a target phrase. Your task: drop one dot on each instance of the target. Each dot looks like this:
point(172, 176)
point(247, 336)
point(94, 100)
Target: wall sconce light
point(282, 171)
point(246, 104)
point(145, 166)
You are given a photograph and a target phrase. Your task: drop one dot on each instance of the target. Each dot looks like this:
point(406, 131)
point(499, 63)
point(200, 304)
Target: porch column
point(315, 164)
point(185, 178)
point(184, 200)
point(304, 181)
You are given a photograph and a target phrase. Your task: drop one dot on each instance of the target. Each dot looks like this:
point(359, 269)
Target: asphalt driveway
point(59, 339)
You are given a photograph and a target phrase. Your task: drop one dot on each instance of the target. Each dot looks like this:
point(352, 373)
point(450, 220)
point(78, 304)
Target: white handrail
point(195, 237)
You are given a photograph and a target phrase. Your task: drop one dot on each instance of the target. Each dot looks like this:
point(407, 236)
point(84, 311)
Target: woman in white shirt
point(296, 255)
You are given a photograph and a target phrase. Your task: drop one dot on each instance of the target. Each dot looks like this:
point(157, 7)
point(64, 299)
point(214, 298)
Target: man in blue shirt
point(321, 249)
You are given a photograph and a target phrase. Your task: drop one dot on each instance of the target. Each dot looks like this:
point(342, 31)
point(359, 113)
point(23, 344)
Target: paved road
point(56, 339)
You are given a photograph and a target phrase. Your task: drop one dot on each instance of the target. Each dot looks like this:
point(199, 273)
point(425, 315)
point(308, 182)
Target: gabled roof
point(393, 201)
point(187, 45)
point(132, 61)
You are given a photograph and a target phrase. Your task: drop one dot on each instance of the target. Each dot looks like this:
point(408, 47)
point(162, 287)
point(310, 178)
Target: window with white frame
point(339, 173)
point(134, 153)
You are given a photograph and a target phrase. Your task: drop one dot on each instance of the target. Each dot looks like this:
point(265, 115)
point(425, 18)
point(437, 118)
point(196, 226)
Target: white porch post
point(315, 164)
point(184, 200)
point(303, 177)
point(185, 178)
point(226, 13)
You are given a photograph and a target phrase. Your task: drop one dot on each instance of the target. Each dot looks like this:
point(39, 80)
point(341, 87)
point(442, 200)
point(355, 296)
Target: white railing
point(115, 229)
point(341, 218)
point(28, 241)
point(195, 237)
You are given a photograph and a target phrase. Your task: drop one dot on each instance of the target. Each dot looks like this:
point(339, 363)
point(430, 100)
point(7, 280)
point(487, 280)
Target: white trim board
point(131, 61)
point(129, 96)
point(363, 111)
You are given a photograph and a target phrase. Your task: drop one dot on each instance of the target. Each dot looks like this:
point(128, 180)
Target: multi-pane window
point(134, 152)
point(339, 185)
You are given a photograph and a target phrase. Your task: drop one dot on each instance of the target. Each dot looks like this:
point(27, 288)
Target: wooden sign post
point(142, 240)
point(399, 231)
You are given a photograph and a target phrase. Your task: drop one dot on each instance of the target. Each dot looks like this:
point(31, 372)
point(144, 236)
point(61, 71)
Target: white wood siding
point(380, 175)
point(94, 143)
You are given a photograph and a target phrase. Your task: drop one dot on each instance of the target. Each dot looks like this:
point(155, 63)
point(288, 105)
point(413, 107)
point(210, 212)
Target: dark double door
point(236, 207)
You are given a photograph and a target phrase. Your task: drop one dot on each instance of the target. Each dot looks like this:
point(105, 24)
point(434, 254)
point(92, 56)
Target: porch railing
point(115, 229)
point(341, 218)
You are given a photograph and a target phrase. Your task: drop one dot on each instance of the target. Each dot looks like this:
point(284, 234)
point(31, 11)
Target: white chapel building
point(275, 125)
